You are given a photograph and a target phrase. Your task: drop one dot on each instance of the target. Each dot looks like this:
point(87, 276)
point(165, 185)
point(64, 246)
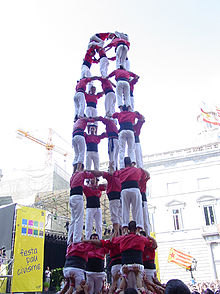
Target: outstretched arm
point(96, 173)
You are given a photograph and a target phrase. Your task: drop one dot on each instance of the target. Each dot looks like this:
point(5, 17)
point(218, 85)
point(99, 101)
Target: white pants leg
point(104, 63)
point(132, 196)
point(132, 102)
point(79, 146)
point(92, 156)
point(110, 100)
point(126, 136)
point(98, 222)
point(77, 272)
point(91, 111)
point(113, 149)
point(76, 224)
point(123, 93)
point(150, 273)
point(79, 102)
point(115, 211)
point(131, 145)
point(95, 281)
point(114, 270)
point(121, 54)
point(127, 64)
point(85, 72)
point(138, 153)
point(89, 222)
point(146, 219)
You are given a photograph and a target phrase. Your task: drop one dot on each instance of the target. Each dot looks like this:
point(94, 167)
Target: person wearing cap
point(122, 78)
point(91, 101)
point(78, 139)
point(126, 121)
point(92, 141)
point(93, 193)
point(145, 176)
point(113, 144)
point(95, 273)
point(130, 193)
point(76, 202)
point(138, 152)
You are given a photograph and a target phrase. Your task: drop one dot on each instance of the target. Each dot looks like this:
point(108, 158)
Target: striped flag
point(210, 117)
point(182, 259)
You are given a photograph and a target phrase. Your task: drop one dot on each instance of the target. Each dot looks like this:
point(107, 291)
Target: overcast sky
point(175, 49)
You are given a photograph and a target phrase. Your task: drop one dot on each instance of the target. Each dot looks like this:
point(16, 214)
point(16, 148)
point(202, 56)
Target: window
point(173, 188)
point(209, 215)
point(177, 219)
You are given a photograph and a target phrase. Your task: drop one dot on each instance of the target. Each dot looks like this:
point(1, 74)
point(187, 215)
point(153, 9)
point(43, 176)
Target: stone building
point(184, 206)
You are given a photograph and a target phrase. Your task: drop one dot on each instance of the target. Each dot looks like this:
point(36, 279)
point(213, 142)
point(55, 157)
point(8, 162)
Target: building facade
point(184, 207)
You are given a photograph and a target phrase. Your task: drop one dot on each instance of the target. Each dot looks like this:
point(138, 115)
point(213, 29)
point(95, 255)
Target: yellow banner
point(28, 250)
point(156, 257)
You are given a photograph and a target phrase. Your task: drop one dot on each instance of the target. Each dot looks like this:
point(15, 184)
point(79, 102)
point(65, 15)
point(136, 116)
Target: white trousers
point(104, 63)
point(79, 103)
point(113, 149)
point(77, 272)
point(91, 111)
point(126, 137)
point(138, 153)
point(114, 270)
point(115, 211)
point(92, 156)
point(127, 64)
point(93, 214)
point(150, 273)
point(131, 278)
point(132, 196)
point(132, 102)
point(110, 100)
point(146, 219)
point(123, 93)
point(95, 281)
point(121, 54)
point(76, 224)
point(79, 145)
point(86, 73)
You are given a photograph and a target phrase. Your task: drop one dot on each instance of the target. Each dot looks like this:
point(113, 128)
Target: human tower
point(125, 184)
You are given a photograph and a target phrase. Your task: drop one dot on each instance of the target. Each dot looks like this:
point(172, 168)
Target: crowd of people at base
point(205, 287)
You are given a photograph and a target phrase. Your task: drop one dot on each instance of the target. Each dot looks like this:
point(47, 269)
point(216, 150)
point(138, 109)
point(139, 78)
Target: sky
point(175, 49)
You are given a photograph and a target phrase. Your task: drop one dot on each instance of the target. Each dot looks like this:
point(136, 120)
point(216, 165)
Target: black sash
point(126, 126)
point(76, 191)
point(95, 265)
point(131, 256)
point(91, 104)
point(91, 146)
point(92, 202)
point(129, 184)
point(87, 63)
point(113, 195)
point(136, 139)
point(75, 261)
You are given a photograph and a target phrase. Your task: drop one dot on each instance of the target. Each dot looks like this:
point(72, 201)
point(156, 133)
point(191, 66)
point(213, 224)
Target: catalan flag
point(210, 117)
point(182, 259)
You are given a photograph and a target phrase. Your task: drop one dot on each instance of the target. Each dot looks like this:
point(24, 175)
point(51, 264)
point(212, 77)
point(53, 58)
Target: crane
point(48, 145)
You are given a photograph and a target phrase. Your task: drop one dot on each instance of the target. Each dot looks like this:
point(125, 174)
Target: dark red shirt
point(106, 84)
point(103, 36)
point(126, 116)
point(81, 85)
point(130, 241)
point(78, 178)
point(93, 98)
point(130, 173)
point(98, 253)
point(81, 124)
point(149, 253)
point(143, 181)
point(137, 127)
point(94, 138)
point(118, 41)
point(110, 125)
point(114, 183)
point(79, 249)
point(122, 74)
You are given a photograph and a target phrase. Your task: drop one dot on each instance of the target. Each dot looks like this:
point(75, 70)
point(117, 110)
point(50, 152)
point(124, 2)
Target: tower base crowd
point(130, 249)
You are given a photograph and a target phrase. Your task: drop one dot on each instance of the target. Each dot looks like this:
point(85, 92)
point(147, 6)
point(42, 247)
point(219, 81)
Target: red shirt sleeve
point(111, 74)
point(115, 115)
